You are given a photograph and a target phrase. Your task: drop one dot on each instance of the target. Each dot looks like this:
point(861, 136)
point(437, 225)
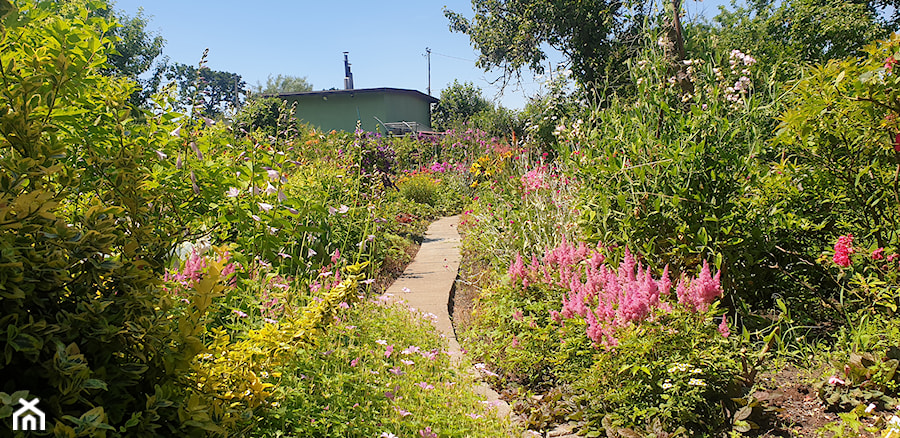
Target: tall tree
point(597, 36)
point(283, 84)
point(134, 52)
point(214, 91)
point(459, 102)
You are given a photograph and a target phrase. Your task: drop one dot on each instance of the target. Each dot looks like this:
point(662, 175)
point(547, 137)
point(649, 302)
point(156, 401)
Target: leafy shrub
point(269, 114)
point(673, 372)
point(421, 189)
point(83, 238)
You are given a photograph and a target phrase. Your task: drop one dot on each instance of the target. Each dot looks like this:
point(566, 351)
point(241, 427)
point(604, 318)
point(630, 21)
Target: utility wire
point(453, 57)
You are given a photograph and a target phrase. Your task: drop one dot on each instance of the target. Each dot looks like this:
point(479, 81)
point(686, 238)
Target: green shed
point(383, 109)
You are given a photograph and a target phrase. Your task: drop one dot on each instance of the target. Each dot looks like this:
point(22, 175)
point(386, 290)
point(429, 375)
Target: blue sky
point(386, 41)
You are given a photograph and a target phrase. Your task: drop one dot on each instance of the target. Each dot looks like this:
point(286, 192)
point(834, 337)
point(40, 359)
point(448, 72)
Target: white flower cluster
point(739, 63)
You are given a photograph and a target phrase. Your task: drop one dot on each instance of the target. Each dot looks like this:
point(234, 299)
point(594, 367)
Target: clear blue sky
point(386, 41)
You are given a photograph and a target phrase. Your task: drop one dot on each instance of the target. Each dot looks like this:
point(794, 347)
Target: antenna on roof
point(348, 77)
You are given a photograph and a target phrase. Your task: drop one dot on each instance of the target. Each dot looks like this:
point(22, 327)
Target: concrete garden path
point(426, 284)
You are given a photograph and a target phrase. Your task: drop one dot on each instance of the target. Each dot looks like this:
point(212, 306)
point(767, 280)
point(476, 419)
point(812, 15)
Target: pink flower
point(699, 293)
point(354, 362)
point(835, 380)
point(427, 433)
point(336, 256)
point(517, 270)
point(842, 250)
point(723, 327)
point(402, 412)
point(425, 385)
point(388, 351)
point(878, 254)
point(239, 313)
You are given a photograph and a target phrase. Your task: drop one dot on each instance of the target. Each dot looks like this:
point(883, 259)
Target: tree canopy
point(214, 91)
point(459, 102)
point(283, 84)
point(597, 36)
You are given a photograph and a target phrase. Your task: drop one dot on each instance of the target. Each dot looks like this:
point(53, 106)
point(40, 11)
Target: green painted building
point(381, 109)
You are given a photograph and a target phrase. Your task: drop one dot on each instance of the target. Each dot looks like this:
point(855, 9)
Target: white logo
point(25, 419)
point(893, 430)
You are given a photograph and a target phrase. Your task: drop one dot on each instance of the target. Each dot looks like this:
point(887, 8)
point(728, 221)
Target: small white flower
point(264, 206)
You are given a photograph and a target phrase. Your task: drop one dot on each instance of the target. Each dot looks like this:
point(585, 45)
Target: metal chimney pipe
point(348, 77)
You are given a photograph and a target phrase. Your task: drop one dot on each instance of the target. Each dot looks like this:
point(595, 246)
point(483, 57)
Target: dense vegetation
point(640, 255)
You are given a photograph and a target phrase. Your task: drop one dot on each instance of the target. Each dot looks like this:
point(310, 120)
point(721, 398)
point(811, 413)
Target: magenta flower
point(843, 248)
point(427, 433)
point(239, 313)
point(878, 254)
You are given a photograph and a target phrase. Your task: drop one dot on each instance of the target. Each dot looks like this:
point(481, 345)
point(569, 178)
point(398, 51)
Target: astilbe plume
point(607, 298)
point(699, 293)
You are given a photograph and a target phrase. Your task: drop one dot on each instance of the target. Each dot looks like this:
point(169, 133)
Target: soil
point(800, 412)
point(462, 300)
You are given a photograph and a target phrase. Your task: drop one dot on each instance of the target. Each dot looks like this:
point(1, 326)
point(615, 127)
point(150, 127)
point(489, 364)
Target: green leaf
point(94, 384)
point(24, 342)
point(134, 420)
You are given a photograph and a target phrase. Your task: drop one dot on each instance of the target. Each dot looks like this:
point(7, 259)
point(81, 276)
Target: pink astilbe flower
point(517, 270)
point(842, 250)
point(723, 327)
point(608, 299)
point(194, 268)
point(699, 293)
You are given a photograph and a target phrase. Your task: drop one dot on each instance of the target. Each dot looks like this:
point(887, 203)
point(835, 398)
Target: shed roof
point(414, 93)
